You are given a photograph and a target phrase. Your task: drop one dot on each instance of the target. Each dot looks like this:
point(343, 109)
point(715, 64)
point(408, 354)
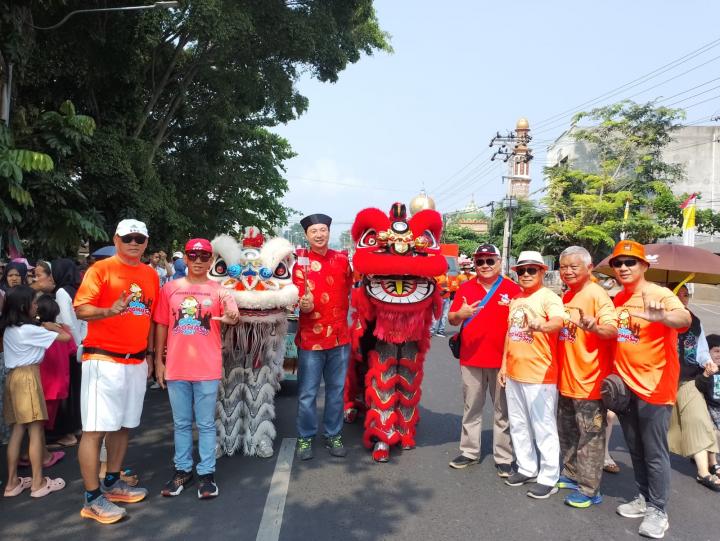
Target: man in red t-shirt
point(481, 351)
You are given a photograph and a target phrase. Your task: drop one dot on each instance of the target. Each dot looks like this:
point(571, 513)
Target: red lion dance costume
point(394, 307)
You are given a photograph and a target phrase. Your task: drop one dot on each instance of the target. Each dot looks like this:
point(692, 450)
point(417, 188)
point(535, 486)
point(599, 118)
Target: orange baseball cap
point(629, 248)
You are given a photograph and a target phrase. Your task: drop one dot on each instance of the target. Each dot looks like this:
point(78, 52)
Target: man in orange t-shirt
point(529, 374)
point(117, 298)
point(647, 361)
point(447, 284)
point(585, 350)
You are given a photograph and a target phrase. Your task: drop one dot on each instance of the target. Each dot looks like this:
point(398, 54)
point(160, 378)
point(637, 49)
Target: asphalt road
point(416, 496)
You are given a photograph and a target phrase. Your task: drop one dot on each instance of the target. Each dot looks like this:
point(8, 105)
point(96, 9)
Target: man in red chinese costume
point(323, 278)
point(397, 258)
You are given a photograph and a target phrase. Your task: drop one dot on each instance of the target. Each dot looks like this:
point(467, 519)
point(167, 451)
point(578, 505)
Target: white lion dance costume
point(259, 274)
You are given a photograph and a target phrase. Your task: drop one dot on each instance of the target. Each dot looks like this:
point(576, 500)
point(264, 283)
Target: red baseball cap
point(198, 245)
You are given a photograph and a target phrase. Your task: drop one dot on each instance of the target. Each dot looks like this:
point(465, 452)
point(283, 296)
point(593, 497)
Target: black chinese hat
point(314, 219)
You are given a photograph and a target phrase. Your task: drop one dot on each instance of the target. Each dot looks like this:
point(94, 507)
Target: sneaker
point(441, 334)
point(155, 386)
point(207, 489)
point(655, 524)
point(335, 445)
point(121, 492)
point(102, 510)
point(504, 470)
point(581, 501)
point(540, 491)
point(566, 482)
point(180, 481)
point(517, 479)
point(462, 461)
point(634, 509)
point(303, 448)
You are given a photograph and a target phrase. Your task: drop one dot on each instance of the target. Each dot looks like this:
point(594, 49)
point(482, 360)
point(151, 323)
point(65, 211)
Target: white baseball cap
point(530, 257)
point(126, 227)
point(177, 255)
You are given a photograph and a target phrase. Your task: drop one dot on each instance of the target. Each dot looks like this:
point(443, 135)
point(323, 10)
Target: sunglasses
point(138, 239)
point(202, 256)
point(489, 262)
point(617, 263)
point(532, 271)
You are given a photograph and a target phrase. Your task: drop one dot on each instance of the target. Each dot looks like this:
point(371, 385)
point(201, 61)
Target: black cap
point(314, 219)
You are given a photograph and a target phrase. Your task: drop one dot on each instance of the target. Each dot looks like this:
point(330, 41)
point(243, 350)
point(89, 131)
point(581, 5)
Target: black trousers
point(645, 427)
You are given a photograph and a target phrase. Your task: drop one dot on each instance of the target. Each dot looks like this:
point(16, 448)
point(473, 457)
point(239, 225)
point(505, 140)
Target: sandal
point(60, 444)
point(610, 466)
point(51, 485)
point(714, 469)
point(23, 484)
point(55, 457)
point(710, 481)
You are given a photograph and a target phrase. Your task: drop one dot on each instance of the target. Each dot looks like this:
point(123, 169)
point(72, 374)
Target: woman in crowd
point(15, 275)
point(692, 433)
point(66, 278)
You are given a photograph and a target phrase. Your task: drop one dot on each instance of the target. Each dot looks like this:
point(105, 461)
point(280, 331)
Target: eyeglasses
point(489, 262)
point(138, 239)
point(532, 271)
point(203, 256)
point(617, 263)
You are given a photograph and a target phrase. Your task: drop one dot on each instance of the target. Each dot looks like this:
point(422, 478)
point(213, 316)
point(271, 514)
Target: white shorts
point(111, 395)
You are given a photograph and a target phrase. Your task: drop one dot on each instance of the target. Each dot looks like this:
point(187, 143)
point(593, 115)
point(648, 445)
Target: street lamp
point(159, 5)
point(6, 92)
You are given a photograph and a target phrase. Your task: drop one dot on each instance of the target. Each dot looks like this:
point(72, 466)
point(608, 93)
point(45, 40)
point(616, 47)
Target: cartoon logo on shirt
point(189, 319)
point(627, 332)
point(138, 305)
point(504, 299)
point(518, 324)
point(568, 332)
point(690, 345)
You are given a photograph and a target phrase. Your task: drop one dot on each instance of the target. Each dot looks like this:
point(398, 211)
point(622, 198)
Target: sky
point(423, 116)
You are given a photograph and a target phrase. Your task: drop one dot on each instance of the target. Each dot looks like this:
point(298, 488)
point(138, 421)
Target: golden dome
point(420, 202)
point(522, 124)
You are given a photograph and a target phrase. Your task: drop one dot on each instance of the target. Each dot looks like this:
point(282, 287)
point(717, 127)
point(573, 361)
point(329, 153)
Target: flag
point(688, 225)
point(626, 215)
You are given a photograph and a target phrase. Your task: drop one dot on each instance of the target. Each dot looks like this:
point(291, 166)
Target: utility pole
point(512, 149)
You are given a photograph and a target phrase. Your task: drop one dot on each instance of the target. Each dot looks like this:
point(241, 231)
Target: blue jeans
point(330, 365)
point(438, 325)
point(200, 396)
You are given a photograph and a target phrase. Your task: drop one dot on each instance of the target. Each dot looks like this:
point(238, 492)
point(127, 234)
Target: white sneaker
point(655, 524)
point(634, 509)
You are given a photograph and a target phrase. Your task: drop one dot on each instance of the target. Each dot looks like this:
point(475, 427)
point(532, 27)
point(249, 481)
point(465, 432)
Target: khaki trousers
point(476, 384)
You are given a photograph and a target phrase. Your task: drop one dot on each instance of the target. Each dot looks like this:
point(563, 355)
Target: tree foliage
point(586, 207)
point(184, 100)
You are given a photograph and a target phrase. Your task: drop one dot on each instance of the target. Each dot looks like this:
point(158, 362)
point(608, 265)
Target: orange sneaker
point(103, 511)
point(121, 492)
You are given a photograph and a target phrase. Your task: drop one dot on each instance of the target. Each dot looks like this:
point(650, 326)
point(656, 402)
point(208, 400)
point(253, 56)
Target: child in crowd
point(55, 368)
point(708, 383)
point(24, 344)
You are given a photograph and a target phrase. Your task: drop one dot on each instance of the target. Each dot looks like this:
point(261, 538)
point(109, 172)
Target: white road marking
point(706, 309)
point(271, 521)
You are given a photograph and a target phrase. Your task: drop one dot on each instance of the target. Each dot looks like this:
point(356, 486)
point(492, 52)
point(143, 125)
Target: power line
point(634, 82)
point(348, 185)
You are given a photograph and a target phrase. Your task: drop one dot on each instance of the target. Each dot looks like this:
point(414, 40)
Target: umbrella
point(674, 263)
point(105, 251)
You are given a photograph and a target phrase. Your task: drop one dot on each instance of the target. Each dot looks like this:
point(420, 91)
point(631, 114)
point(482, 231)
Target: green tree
point(185, 101)
point(587, 207)
point(467, 239)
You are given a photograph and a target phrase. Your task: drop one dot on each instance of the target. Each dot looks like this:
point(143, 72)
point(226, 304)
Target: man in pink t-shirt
point(188, 317)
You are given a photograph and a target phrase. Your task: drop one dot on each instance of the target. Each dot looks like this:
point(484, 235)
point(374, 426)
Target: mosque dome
point(420, 202)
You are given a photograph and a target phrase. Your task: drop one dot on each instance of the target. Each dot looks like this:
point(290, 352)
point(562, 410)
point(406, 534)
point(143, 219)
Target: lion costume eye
point(368, 239)
point(281, 271)
point(432, 239)
point(219, 268)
